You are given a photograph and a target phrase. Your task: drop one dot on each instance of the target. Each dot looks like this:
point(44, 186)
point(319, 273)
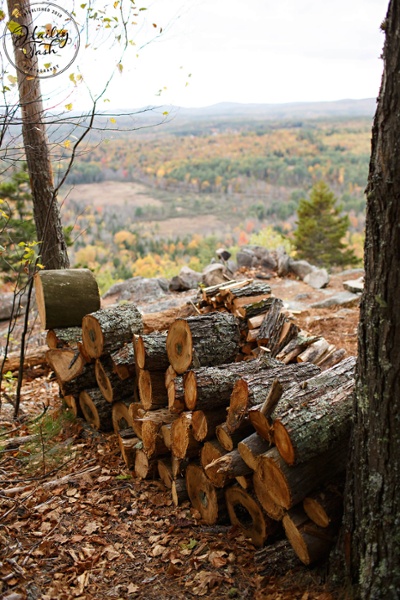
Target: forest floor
point(75, 524)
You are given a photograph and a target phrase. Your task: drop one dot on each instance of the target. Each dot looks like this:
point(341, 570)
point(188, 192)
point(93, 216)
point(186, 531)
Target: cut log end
point(190, 385)
point(92, 336)
point(179, 346)
point(245, 513)
point(202, 494)
point(283, 443)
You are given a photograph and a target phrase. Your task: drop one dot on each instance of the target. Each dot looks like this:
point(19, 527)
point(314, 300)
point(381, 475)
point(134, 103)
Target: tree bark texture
point(109, 329)
point(372, 505)
point(123, 361)
point(203, 340)
point(46, 211)
point(151, 351)
point(65, 296)
point(96, 410)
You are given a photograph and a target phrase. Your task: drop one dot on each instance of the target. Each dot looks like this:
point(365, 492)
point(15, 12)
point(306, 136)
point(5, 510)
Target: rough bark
point(204, 424)
point(65, 296)
point(259, 415)
point(310, 542)
point(64, 337)
point(31, 359)
point(209, 387)
point(372, 499)
point(96, 410)
point(46, 211)
point(203, 340)
point(290, 485)
point(151, 351)
point(227, 467)
point(86, 380)
point(110, 385)
point(109, 329)
point(123, 361)
point(251, 447)
point(252, 390)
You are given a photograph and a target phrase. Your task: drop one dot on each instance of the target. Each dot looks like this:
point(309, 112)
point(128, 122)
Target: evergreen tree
point(321, 228)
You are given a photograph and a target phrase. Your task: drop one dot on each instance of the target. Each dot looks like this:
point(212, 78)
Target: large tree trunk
point(372, 505)
point(46, 211)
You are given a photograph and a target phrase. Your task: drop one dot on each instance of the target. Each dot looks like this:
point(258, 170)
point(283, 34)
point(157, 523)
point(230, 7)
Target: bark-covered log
point(295, 347)
point(203, 340)
point(251, 308)
point(261, 490)
point(229, 440)
point(176, 395)
point(183, 442)
point(121, 416)
point(170, 375)
point(178, 466)
point(160, 321)
point(128, 444)
point(250, 449)
point(111, 386)
point(153, 441)
point(152, 392)
point(310, 418)
point(66, 363)
point(314, 352)
point(96, 410)
point(137, 413)
point(259, 415)
point(273, 320)
point(32, 358)
point(254, 288)
point(245, 513)
point(204, 424)
point(227, 467)
point(310, 542)
point(151, 351)
point(65, 296)
point(86, 380)
point(109, 329)
point(333, 359)
point(64, 337)
point(179, 491)
point(325, 506)
point(290, 485)
point(72, 403)
point(123, 361)
point(209, 387)
point(252, 390)
point(204, 497)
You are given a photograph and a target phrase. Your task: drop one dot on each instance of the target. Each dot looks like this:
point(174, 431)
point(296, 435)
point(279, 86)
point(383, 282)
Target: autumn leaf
point(67, 144)
point(68, 106)
point(14, 28)
point(91, 527)
point(120, 67)
point(112, 120)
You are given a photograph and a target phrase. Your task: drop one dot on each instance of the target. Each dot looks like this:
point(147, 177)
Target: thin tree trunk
point(46, 211)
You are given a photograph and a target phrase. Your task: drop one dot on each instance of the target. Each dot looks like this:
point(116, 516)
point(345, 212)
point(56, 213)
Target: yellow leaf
point(68, 106)
point(15, 13)
point(116, 4)
point(12, 79)
point(14, 27)
point(67, 143)
point(72, 78)
point(113, 120)
point(120, 67)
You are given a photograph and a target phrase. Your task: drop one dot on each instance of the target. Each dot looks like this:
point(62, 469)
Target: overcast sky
point(257, 51)
point(263, 51)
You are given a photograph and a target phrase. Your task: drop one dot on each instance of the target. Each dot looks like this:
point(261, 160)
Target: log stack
point(256, 437)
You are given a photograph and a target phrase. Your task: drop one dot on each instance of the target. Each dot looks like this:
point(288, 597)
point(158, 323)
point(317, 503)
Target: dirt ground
point(75, 524)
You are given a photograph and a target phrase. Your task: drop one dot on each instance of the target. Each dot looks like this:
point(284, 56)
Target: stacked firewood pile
point(233, 408)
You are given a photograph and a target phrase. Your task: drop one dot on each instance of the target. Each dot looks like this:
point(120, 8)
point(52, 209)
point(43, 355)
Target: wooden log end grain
point(272, 509)
point(310, 542)
point(73, 404)
point(180, 346)
point(65, 296)
point(121, 417)
point(245, 513)
point(128, 443)
point(66, 363)
point(204, 497)
point(151, 351)
point(96, 410)
point(179, 492)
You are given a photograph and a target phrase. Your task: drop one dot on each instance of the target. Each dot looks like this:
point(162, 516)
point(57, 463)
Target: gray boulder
point(354, 285)
point(138, 289)
point(300, 268)
point(186, 280)
point(246, 258)
point(318, 279)
point(283, 262)
point(215, 274)
point(6, 305)
point(339, 299)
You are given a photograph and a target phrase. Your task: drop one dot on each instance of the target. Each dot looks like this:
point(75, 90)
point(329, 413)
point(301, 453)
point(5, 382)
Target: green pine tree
point(321, 229)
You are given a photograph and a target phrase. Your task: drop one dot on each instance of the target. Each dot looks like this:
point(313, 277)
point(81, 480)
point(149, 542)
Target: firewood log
point(259, 415)
point(253, 389)
point(295, 347)
point(151, 351)
point(110, 385)
point(66, 363)
point(273, 319)
point(184, 443)
point(64, 337)
point(96, 410)
point(245, 512)
point(330, 361)
point(176, 395)
point(170, 375)
point(152, 392)
point(207, 388)
point(314, 351)
point(73, 404)
point(310, 542)
point(227, 467)
point(153, 441)
point(248, 308)
point(290, 485)
point(261, 490)
point(325, 506)
point(251, 447)
point(203, 340)
point(108, 329)
point(245, 482)
point(311, 417)
point(137, 412)
point(32, 358)
point(165, 471)
point(145, 467)
point(204, 424)
point(128, 443)
point(210, 452)
point(121, 416)
point(204, 497)
point(123, 361)
point(179, 491)
point(229, 440)
point(252, 289)
point(65, 296)
point(85, 380)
